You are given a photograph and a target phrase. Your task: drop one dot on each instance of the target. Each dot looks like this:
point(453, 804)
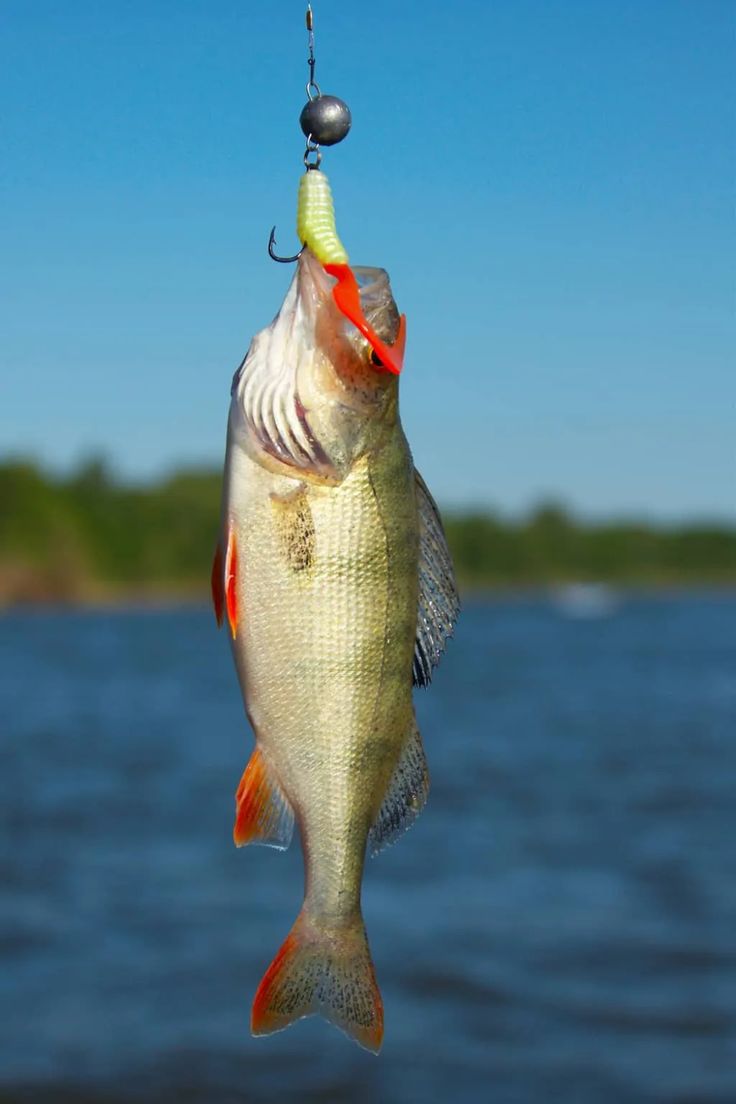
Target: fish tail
point(326, 970)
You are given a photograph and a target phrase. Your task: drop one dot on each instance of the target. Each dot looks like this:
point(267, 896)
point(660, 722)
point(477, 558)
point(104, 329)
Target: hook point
point(274, 255)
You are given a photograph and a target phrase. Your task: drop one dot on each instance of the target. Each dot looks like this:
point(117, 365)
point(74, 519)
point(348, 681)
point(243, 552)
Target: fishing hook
point(275, 257)
point(312, 153)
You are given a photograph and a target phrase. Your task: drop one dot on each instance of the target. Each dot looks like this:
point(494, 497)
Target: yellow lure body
point(315, 219)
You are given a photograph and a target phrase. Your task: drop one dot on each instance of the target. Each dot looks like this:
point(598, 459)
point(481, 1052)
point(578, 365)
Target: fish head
point(315, 388)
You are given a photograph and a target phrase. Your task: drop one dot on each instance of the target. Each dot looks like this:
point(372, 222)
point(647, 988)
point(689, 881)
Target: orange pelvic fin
point(231, 581)
point(218, 584)
point(326, 971)
point(262, 811)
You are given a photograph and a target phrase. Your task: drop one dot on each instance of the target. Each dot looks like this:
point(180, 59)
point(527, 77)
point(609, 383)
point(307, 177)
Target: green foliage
point(551, 547)
point(89, 535)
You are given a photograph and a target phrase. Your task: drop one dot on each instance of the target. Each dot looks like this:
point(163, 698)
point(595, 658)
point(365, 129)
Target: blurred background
point(551, 188)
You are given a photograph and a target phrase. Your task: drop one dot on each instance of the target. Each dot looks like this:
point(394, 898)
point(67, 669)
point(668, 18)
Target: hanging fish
point(333, 574)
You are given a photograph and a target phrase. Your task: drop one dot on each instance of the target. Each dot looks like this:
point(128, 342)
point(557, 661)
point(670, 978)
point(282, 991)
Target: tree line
point(88, 536)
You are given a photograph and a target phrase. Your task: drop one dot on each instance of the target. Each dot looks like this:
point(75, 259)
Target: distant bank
point(89, 538)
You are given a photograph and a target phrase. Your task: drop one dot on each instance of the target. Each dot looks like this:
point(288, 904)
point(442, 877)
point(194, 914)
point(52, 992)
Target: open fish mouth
point(315, 283)
point(377, 302)
point(363, 297)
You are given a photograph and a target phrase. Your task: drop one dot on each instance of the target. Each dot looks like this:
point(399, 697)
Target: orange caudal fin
point(262, 811)
point(218, 584)
point(326, 971)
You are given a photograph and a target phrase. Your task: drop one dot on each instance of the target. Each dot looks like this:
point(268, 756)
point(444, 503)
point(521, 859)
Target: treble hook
point(275, 257)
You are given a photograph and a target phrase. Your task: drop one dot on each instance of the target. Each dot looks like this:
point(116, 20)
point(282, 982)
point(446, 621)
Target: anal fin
point(262, 810)
point(405, 797)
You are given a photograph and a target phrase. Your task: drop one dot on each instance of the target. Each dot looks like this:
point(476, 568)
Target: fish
point(333, 575)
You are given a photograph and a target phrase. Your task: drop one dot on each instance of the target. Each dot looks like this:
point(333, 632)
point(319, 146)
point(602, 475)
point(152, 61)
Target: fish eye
point(375, 359)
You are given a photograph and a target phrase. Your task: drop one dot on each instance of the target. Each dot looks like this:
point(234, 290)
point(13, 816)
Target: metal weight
point(326, 119)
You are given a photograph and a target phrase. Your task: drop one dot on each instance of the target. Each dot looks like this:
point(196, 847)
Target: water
point(560, 924)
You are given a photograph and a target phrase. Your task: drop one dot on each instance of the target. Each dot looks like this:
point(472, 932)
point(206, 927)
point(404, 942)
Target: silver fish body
point(337, 584)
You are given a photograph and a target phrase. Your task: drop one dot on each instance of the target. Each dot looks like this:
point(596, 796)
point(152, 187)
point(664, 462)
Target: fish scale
point(338, 617)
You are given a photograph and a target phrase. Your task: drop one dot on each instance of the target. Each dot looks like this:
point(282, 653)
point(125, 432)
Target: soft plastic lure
point(315, 219)
point(315, 227)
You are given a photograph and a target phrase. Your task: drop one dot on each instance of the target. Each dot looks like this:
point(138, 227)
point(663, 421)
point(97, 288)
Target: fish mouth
point(373, 283)
point(314, 284)
point(365, 303)
point(377, 302)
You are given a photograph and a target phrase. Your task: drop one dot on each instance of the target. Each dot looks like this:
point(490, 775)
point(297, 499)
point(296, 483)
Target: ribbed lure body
point(315, 219)
point(315, 227)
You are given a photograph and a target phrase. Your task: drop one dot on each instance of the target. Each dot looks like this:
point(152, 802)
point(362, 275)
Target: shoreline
point(144, 600)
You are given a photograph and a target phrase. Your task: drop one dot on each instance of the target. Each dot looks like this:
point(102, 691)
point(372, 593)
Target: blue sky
point(550, 185)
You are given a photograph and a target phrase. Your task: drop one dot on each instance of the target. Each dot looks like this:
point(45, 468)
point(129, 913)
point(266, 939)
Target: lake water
point(559, 925)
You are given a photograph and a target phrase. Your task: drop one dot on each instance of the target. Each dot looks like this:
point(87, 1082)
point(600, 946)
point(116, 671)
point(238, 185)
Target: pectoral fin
point(231, 582)
point(218, 584)
point(263, 813)
point(224, 582)
point(439, 603)
point(405, 797)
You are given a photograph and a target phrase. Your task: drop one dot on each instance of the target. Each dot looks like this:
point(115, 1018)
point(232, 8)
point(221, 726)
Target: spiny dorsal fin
point(405, 797)
point(262, 811)
point(439, 603)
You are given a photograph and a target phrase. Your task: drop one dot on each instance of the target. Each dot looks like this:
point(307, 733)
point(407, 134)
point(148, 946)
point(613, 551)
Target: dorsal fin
point(439, 603)
point(406, 794)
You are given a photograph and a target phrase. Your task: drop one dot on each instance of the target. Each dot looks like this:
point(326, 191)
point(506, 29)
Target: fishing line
point(325, 120)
